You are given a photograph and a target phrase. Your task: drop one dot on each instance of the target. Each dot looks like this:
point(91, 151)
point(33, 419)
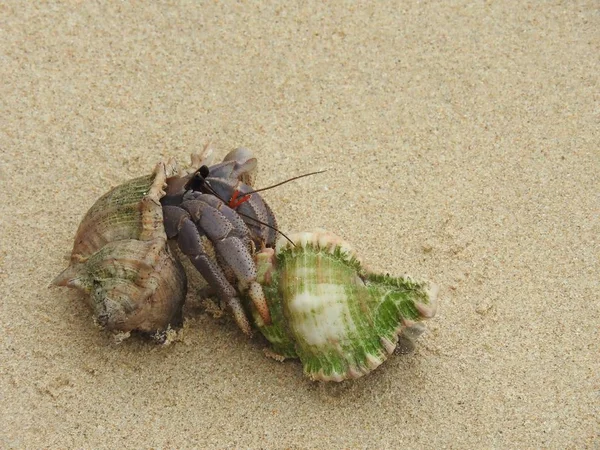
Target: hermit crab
point(307, 293)
point(121, 258)
point(219, 223)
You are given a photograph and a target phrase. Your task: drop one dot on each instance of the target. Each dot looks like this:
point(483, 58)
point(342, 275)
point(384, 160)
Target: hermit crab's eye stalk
point(198, 180)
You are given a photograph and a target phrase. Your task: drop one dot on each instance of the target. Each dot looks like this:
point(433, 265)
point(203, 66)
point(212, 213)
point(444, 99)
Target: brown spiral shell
point(121, 259)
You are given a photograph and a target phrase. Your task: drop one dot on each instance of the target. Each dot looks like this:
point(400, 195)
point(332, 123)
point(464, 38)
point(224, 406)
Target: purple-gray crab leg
point(197, 248)
point(255, 210)
point(230, 238)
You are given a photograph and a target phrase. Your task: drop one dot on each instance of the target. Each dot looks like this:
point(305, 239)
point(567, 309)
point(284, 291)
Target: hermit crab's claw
point(235, 253)
point(254, 210)
point(245, 167)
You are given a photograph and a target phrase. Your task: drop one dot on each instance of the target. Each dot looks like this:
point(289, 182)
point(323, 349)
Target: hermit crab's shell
point(120, 258)
point(339, 319)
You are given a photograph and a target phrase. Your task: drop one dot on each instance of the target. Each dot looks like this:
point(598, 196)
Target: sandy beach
point(462, 145)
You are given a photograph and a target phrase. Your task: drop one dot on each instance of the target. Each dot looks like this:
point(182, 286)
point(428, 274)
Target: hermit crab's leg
point(230, 238)
point(199, 250)
point(257, 208)
point(253, 208)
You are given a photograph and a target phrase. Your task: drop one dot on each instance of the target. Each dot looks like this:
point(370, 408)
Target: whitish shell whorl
point(339, 319)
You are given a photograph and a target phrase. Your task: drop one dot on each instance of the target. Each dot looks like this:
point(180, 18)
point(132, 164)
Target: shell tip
point(428, 310)
point(63, 278)
point(70, 277)
point(433, 292)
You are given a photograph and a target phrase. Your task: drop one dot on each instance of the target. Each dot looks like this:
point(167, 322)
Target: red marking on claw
point(236, 200)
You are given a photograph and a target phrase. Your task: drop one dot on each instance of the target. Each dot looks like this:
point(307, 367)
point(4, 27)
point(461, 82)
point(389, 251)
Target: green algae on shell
point(341, 320)
point(121, 259)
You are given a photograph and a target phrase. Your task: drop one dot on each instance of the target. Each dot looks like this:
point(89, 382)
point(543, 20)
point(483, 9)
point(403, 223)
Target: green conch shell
point(339, 319)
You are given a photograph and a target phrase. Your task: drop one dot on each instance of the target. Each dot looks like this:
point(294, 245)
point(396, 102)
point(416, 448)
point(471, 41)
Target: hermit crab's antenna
point(238, 201)
point(268, 226)
point(285, 181)
point(198, 181)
